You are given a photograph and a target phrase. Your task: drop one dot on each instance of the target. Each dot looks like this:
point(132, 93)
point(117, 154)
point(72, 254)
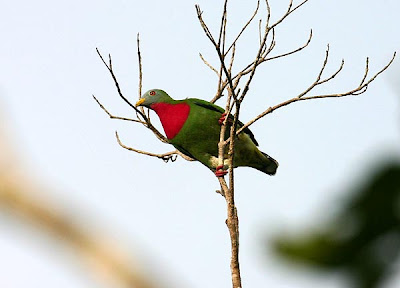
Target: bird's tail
point(269, 165)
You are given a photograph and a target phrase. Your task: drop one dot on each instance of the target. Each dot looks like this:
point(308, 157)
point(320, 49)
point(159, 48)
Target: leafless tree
point(235, 87)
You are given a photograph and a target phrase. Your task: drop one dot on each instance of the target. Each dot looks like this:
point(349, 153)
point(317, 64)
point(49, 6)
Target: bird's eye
point(152, 93)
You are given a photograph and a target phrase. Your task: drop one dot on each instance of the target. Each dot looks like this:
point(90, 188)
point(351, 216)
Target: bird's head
point(152, 97)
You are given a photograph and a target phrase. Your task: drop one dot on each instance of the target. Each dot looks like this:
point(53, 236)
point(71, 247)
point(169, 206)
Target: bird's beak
point(138, 103)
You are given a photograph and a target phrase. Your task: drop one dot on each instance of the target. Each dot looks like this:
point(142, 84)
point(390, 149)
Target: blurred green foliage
point(363, 239)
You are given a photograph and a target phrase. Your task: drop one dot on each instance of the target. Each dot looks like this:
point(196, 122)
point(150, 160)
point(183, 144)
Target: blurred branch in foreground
point(363, 240)
point(22, 198)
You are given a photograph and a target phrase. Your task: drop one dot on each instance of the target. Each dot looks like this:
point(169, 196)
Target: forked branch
point(360, 89)
point(226, 79)
point(116, 117)
point(289, 11)
point(164, 156)
point(110, 69)
point(140, 113)
point(142, 118)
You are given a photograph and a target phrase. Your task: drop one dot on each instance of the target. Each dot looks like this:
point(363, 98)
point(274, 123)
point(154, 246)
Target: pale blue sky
point(170, 212)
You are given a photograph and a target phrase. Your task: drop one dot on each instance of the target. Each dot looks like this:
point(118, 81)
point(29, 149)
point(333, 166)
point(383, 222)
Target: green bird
point(193, 127)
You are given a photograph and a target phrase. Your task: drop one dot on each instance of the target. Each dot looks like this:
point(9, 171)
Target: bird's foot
point(222, 119)
point(220, 172)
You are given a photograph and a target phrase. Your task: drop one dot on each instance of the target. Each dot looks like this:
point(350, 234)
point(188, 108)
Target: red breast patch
point(172, 116)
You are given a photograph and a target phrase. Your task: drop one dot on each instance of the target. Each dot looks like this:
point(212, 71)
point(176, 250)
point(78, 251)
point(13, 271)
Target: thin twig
point(140, 65)
point(366, 71)
point(321, 71)
point(268, 14)
point(288, 12)
point(165, 156)
point(141, 78)
point(265, 52)
point(116, 117)
point(110, 69)
point(222, 30)
point(290, 52)
point(208, 64)
point(232, 59)
point(203, 25)
point(219, 94)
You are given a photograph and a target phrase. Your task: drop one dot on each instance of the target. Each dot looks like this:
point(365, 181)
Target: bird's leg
point(220, 172)
point(222, 119)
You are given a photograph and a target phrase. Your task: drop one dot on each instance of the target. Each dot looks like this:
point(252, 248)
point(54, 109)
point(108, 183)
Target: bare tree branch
point(232, 223)
point(165, 156)
point(227, 192)
point(290, 52)
point(318, 80)
point(140, 66)
point(288, 12)
point(259, 31)
point(265, 52)
point(222, 30)
point(204, 26)
point(140, 77)
point(116, 117)
point(208, 64)
point(268, 16)
point(362, 88)
point(146, 120)
point(110, 69)
point(232, 59)
point(232, 217)
point(366, 71)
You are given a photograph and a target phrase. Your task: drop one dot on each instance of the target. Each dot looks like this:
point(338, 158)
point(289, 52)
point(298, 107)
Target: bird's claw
point(169, 157)
point(220, 172)
point(222, 119)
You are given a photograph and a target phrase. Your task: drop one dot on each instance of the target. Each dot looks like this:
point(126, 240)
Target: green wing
point(213, 107)
point(208, 105)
